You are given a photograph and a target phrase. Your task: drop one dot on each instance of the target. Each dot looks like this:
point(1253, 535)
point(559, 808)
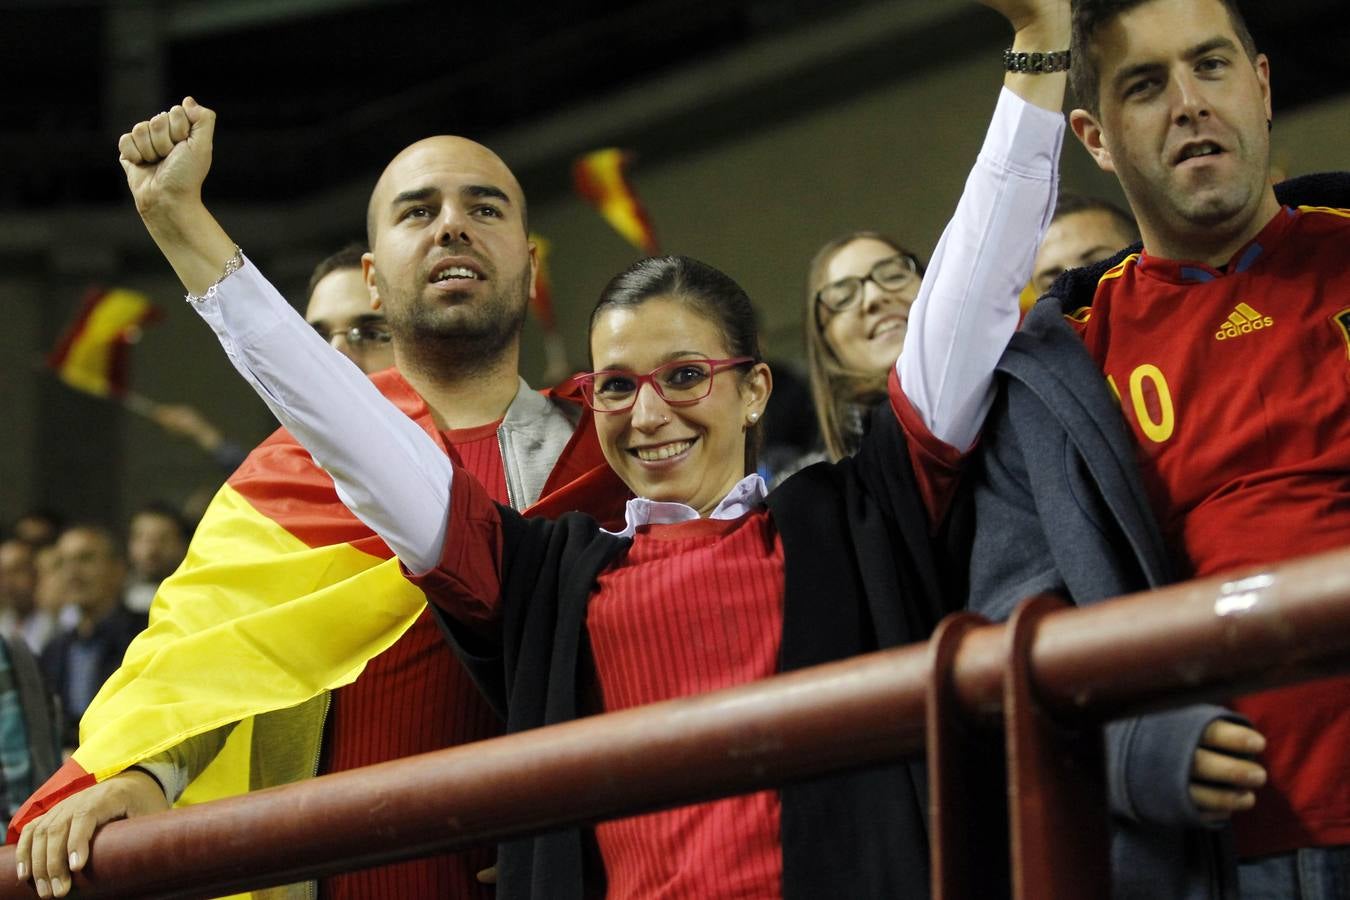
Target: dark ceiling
point(318, 91)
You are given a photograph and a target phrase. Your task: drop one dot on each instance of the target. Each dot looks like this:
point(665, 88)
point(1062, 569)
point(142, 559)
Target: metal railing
point(1051, 675)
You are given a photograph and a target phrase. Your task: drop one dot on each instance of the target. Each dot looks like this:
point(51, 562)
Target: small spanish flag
point(92, 354)
point(541, 302)
point(601, 178)
point(541, 298)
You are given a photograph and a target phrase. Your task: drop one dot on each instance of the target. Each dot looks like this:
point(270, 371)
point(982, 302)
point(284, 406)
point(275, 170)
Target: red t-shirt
point(414, 698)
point(1236, 387)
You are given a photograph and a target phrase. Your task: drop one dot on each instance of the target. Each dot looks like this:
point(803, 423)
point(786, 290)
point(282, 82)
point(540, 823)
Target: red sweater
point(705, 598)
point(1236, 386)
point(414, 698)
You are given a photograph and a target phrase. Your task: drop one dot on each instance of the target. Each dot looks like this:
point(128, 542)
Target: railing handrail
point(1160, 649)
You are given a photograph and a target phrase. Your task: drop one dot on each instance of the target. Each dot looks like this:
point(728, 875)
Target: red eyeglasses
point(679, 383)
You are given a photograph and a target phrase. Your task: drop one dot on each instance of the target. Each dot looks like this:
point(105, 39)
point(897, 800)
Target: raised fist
point(166, 157)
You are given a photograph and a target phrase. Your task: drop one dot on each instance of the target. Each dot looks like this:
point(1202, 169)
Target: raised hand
point(167, 156)
point(1039, 26)
point(166, 159)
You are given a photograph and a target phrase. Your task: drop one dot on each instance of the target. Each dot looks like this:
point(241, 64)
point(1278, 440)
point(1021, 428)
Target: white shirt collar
point(747, 493)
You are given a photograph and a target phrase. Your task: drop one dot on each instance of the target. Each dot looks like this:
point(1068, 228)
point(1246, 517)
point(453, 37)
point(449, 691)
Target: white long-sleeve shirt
point(397, 481)
point(967, 308)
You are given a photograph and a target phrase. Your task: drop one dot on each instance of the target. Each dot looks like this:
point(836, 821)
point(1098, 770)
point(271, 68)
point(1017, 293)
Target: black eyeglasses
point(890, 274)
point(365, 336)
point(679, 383)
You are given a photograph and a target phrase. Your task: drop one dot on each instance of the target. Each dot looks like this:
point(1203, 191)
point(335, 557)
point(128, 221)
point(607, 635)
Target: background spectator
point(1084, 230)
point(157, 540)
point(50, 613)
point(859, 288)
point(38, 527)
point(20, 616)
point(341, 310)
point(79, 659)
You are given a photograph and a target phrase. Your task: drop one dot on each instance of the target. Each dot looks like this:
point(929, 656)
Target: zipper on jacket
point(506, 469)
point(323, 723)
point(311, 887)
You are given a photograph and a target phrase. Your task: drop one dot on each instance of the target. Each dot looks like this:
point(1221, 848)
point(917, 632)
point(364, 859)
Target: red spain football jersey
point(1236, 386)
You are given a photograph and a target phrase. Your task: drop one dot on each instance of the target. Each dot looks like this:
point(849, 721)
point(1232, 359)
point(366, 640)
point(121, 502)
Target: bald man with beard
point(451, 268)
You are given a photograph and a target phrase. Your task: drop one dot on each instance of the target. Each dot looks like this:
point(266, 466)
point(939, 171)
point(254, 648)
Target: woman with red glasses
point(712, 581)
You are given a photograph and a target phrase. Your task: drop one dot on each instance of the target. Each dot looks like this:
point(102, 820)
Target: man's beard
point(458, 342)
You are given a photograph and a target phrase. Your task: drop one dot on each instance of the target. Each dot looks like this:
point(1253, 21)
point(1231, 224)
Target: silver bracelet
point(232, 265)
point(1036, 63)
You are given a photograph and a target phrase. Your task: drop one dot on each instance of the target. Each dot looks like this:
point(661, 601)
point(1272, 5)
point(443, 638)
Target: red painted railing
point(1058, 673)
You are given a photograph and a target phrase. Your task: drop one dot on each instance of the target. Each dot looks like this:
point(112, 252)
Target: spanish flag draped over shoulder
point(91, 355)
point(284, 595)
point(601, 178)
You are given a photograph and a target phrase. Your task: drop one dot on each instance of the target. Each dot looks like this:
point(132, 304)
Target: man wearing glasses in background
point(340, 309)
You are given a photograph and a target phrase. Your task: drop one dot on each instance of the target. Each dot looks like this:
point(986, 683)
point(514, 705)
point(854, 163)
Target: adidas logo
point(1242, 320)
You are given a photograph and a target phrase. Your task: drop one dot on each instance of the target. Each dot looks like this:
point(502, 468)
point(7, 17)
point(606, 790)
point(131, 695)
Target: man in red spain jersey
point(1218, 440)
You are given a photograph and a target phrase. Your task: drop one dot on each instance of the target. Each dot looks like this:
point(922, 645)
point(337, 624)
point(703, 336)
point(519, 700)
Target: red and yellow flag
point(1027, 299)
point(601, 178)
point(92, 354)
point(284, 595)
point(541, 302)
point(541, 297)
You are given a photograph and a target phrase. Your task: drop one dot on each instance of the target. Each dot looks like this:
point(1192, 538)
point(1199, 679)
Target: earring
point(754, 417)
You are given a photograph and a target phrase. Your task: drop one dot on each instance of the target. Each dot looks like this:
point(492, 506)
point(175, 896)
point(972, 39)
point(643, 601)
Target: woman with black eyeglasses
point(859, 291)
point(713, 581)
